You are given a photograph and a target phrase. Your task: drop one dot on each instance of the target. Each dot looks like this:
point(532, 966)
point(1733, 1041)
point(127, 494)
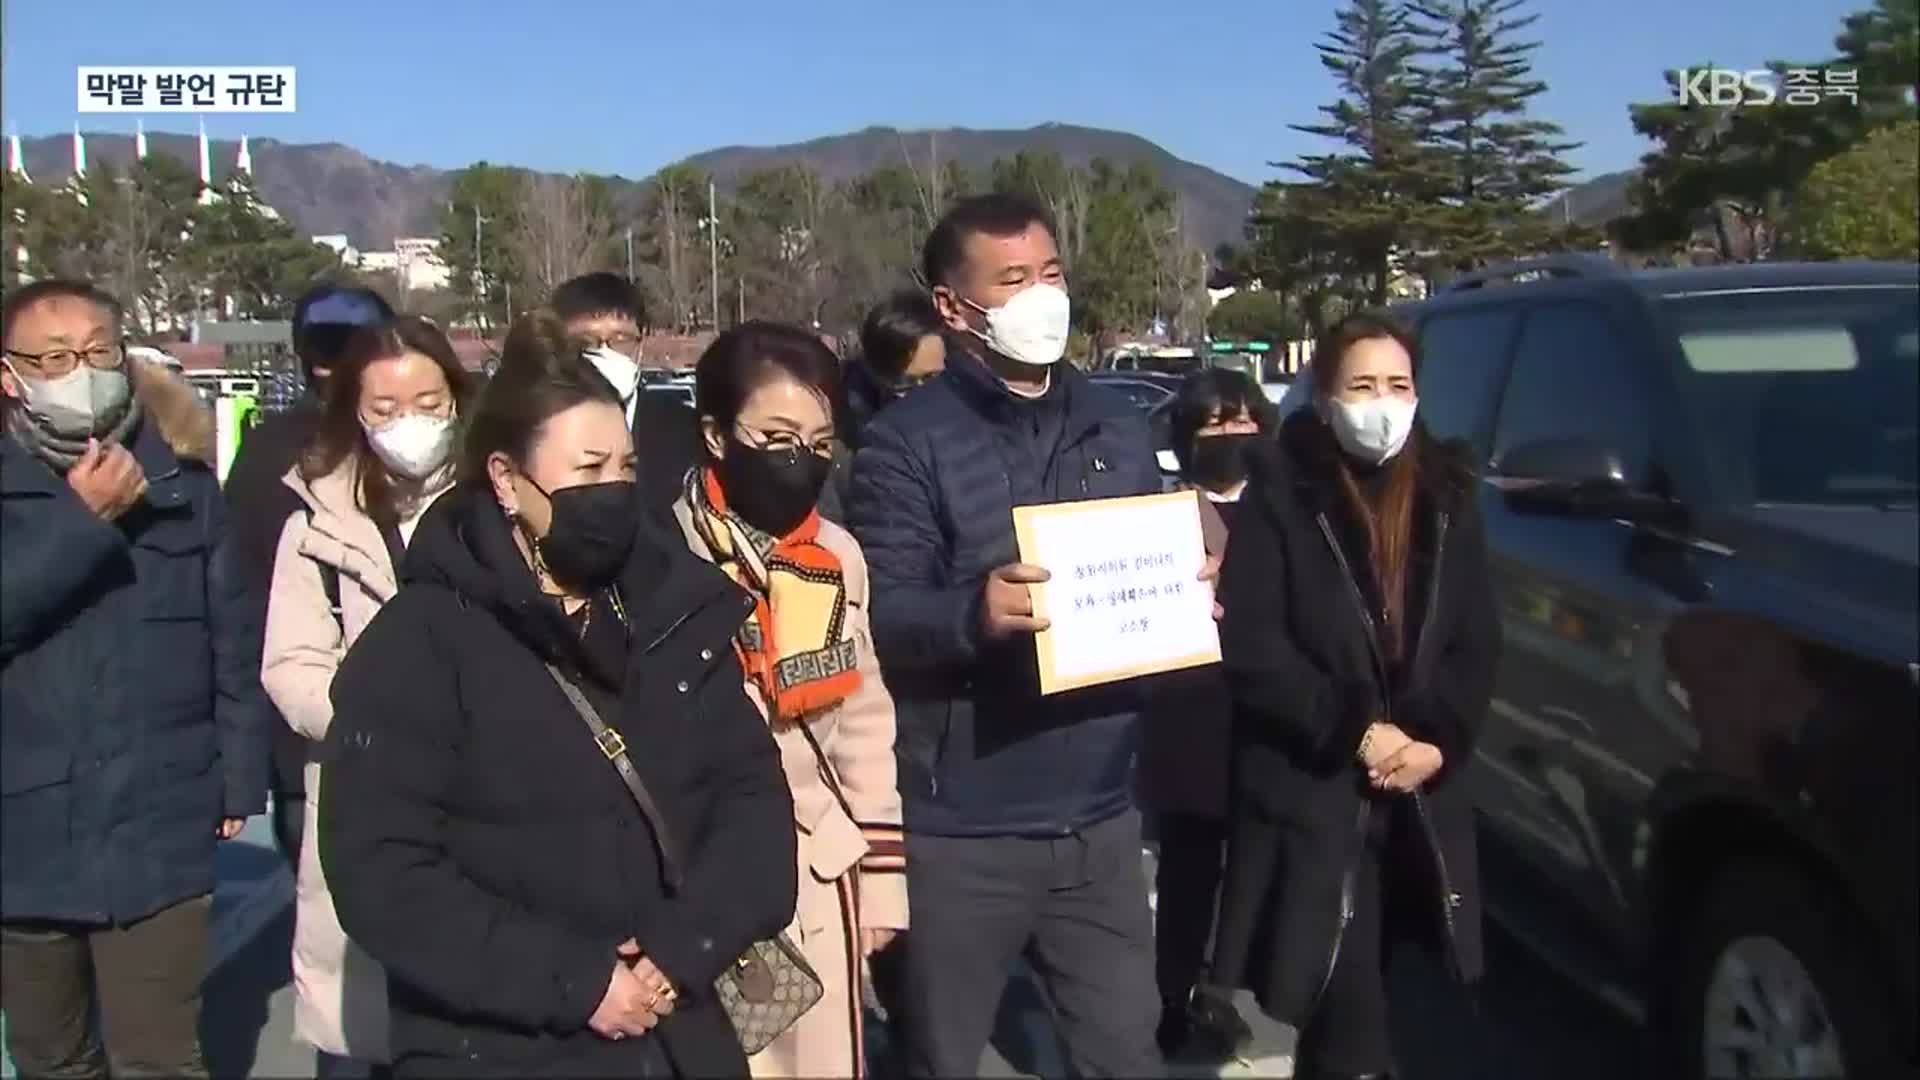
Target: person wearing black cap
point(259, 502)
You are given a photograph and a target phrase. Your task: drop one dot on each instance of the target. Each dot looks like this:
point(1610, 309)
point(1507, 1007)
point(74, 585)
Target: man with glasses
point(132, 726)
point(605, 319)
point(323, 319)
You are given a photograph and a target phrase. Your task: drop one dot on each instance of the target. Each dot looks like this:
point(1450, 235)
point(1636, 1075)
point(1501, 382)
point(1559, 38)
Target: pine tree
point(1494, 164)
point(1372, 186)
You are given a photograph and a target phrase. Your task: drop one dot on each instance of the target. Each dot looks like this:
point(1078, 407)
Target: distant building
point(414, 261)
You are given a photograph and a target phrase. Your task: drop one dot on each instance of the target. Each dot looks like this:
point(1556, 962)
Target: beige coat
point(837, 853)
point(340, 1003)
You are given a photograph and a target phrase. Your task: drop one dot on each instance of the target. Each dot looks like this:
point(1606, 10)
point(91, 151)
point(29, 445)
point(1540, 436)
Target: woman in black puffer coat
point(480, 842)
point(1359, 639)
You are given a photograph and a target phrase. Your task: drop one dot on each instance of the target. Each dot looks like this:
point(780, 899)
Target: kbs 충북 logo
point(1793, 86)
point(185, 89)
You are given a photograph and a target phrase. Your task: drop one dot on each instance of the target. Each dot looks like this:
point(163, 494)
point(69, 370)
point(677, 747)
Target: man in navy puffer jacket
point(1021, 835)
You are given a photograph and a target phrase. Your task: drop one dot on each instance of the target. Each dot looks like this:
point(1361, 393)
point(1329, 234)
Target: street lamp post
point(713, 237)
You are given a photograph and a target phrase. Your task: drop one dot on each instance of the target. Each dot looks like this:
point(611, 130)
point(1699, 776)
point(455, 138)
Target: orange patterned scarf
point(794, 648)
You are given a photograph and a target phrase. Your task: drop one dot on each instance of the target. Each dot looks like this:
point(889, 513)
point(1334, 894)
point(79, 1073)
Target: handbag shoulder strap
point(614, 748)
point(826, 770)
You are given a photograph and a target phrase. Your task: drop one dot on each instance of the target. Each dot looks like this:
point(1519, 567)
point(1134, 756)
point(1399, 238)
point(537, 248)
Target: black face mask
point(591, 534)
point(772, 489)
point(1219, 461)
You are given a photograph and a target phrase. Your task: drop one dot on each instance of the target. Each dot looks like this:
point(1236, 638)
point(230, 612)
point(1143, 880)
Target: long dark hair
point(341, 436)
point(1387, 516)
point(541, 375)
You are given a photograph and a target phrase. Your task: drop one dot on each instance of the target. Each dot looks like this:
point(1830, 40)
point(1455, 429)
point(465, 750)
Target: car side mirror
point(1575, 478)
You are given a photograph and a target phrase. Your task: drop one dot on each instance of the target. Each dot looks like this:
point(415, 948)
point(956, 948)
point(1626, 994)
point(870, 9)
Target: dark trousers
point(1348, 1033)
point(334, 1067)
point(145, 979)
point(289, 821)
point(1075, 906)
point(886, 1034)
point(1187, 881)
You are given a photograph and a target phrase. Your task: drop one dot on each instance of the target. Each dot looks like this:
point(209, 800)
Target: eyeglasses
point(787, 442)
point(620, 343)
point(57, 362)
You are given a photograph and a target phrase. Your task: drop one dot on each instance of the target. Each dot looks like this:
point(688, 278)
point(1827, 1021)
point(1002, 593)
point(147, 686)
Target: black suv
point(1697, 783)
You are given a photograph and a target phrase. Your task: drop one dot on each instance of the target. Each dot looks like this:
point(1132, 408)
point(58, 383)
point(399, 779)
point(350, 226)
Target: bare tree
point(672, 265)
point(1180, 274)
point(561, 228)
point(930, 185)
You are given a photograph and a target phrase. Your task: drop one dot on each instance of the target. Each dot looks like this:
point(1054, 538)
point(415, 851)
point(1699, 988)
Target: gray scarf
point(62, 451)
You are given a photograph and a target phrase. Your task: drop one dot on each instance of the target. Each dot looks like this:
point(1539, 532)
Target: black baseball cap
point(327, 315)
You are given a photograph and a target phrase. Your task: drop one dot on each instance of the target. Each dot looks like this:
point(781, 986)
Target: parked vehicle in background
point(1270, 367)
point(1152, 393)
point(1136, 358)
point(677, 386)
point(1144, 389)
point(1696, 787)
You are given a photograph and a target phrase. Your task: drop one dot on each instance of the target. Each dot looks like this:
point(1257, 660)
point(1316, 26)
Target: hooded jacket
point(484, 850)
point(131, 715)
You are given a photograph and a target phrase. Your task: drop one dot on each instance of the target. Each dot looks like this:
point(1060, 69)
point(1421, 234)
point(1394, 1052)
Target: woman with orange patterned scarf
point(767, 396)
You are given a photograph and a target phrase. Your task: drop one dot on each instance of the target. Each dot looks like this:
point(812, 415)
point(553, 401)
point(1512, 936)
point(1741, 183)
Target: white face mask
point(1031, 327)
point(617, 367)
point(414, 446)
point(1373, 430)
point(82, 403)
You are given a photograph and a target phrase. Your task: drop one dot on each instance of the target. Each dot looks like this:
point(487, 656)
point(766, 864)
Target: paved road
point(1533, 1024)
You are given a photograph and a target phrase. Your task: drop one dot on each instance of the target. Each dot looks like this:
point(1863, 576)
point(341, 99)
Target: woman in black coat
point(1359, 640)
point(1215, 421)
point(480, 842)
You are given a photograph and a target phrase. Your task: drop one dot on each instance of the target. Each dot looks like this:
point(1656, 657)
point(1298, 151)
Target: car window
point(1463, 356)
point(1573, 378)
point(1804, 396)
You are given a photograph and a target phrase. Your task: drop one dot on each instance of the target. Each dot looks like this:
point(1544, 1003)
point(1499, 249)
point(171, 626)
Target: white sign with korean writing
point(1125, 598)
point(185, 89)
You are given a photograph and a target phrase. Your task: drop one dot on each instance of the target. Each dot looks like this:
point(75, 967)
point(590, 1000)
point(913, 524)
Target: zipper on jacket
point(1347, 876)
point(1359, 601)
point(1449, 899)
point(1433, 590)
point(1364, 816)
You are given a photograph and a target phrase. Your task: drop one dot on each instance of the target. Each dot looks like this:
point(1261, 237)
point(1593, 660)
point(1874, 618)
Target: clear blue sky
point(625, 86)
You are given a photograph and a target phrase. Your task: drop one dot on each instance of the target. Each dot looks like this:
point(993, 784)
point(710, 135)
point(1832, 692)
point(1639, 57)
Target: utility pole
point(713, 248)
point(629, 253)
point(479, 272)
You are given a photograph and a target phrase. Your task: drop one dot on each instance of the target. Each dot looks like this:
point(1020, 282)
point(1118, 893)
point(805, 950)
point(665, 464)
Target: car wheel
point(1774, 983)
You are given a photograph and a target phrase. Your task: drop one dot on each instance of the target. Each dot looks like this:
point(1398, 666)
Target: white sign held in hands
point(1125, 598)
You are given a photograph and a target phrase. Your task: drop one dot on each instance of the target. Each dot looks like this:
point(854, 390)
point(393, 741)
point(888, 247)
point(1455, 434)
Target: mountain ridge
point(331, 187)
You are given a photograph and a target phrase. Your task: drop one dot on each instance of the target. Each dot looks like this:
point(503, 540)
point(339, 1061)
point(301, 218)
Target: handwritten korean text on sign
point(1125, 598)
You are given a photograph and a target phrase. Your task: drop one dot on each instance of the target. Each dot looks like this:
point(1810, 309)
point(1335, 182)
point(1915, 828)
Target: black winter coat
point(666, 439)
point(934, 486)
point(259, 503)
point(1186, 732)
point(481, 847)
point(1307, 677)
point(131, 714)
